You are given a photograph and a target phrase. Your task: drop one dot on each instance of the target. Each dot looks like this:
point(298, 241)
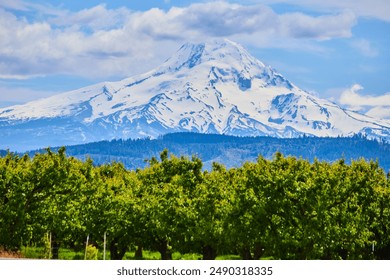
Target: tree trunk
point(116, 250)
point(139, 253)
point(209, 253)
point(383, 253)
point(166, 254)
point(258, 252)
point(55, 246)
point(246, 253)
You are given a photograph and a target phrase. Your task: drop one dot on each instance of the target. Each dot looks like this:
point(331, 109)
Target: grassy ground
point(39, 253)
point(67, 254)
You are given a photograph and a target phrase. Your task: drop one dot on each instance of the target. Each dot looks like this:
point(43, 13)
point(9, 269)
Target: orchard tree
point(167, 192)
point(114, 209)
point(249, 222)
point(54, 201)
point(15, 229)
point(212, 205)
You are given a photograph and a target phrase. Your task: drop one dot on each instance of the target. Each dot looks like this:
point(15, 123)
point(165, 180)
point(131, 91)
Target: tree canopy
point(282, 208)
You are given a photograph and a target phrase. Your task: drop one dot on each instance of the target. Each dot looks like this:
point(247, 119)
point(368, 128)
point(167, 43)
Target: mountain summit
point(213, 87)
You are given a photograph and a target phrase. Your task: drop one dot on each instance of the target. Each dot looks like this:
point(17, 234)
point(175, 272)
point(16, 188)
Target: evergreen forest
point(232, 151)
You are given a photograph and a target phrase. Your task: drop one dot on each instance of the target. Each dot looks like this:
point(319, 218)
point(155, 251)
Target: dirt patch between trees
point(10, 254)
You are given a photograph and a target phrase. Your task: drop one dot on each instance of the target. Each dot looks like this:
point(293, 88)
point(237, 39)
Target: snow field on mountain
point(213, 87)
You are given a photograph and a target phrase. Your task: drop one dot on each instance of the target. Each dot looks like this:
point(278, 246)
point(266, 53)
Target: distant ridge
point(232, 151)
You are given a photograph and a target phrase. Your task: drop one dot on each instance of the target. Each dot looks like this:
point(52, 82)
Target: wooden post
point(104, 245)
point(86, 247)
point(49, 245)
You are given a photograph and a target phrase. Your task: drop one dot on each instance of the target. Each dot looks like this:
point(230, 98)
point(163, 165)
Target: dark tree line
point(232, 151)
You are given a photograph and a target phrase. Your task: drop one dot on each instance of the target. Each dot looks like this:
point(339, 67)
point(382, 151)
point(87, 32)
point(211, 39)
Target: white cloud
point(322, 27)
point(14, 4)
point(102, 42)
point(41, 48)
point(364, 47)
point(379, 9)
point(95, 18)
point(375, 106)
point(352, 97)
point(28, 6)
point(217, 19)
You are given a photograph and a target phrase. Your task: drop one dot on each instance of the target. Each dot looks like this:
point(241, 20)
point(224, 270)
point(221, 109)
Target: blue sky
point(336, 49)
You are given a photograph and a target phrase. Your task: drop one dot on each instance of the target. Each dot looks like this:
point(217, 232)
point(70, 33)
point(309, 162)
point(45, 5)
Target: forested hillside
point(282, 208)
point(232, 151)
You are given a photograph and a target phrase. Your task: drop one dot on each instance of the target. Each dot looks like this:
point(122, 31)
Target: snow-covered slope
point(214, 87)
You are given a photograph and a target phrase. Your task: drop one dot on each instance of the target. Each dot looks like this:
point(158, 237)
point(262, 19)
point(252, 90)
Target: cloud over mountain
point(375, 106)
point(57, 41)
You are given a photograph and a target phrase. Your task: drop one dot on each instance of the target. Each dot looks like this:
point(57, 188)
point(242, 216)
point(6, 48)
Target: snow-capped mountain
point(214, 87)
